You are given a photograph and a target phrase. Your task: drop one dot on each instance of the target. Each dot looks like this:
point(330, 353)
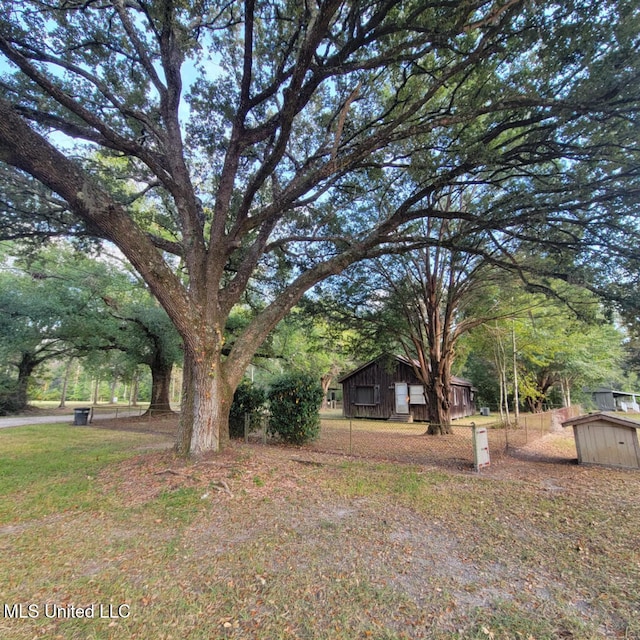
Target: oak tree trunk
point(25, 371)
point(160, 387)
point(133, 395)
point(65, 385)
point(206, 403)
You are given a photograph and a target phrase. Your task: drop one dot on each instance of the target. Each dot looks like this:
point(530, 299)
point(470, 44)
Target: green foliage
point(9, 402)
point(294, 400)
point(563, 344)
point(57, 303)
point(248, 399)
point(317, 138)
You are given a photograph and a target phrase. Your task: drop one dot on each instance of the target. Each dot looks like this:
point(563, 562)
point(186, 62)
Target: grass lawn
point(266, 542)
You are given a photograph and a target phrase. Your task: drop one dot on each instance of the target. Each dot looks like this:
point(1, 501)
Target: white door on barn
point(402, 399)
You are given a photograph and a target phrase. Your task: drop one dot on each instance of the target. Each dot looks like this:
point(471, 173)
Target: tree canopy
point(58, 304)
point(275, 143)
point(540, 349)
point(49, 310)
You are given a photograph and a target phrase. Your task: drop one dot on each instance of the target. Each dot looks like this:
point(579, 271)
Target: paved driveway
point(21, 421)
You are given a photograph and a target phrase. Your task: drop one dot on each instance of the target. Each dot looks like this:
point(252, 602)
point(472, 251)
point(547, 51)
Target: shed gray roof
point(612, 418)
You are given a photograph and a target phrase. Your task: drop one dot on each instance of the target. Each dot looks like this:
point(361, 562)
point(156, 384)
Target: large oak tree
point(280, 139)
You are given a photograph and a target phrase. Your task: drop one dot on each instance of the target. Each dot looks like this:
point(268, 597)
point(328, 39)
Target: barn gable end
point(378, 389)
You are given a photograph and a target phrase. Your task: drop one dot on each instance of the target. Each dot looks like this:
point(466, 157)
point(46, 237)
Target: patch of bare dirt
point(453, 451)
point(246, 470)
point(166, 424)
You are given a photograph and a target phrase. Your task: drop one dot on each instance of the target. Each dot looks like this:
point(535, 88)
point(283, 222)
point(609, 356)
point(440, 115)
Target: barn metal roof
point(461, 382)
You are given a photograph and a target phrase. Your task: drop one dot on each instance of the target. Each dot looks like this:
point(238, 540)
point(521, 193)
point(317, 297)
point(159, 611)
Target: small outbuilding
point(606, 439)
point(611, 400)
point(388, 388)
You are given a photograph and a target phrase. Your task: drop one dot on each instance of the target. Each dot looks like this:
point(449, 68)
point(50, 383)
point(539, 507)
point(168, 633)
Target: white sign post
point(480, 447)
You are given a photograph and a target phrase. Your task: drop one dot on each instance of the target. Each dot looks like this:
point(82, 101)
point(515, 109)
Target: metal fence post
point(506, 437)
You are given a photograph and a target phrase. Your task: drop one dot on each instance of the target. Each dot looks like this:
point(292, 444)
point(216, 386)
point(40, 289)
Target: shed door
point(611, 445)
point(402, 402)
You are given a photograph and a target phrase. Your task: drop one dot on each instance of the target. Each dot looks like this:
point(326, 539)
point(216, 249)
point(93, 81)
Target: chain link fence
point(408, 442)
point(532, 426)
point(396, 441)
point(140, 417)
point(122, 412)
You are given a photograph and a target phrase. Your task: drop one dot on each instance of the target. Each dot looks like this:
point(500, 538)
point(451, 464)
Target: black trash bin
point(81, 415)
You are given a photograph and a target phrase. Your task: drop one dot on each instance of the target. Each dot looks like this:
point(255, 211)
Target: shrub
point(248, 399)
point(294, 401)
point(8, 396)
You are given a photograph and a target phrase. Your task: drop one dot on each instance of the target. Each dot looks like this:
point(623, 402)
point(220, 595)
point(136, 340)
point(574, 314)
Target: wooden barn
point(606, 439)
point(388, 388)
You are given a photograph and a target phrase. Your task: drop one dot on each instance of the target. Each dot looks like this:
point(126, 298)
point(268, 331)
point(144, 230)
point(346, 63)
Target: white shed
point(606, 439)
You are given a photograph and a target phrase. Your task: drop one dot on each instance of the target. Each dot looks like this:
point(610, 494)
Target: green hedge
point(248, 399)
point(294, 403)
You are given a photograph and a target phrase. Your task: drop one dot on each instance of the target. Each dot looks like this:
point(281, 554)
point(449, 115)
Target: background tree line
point(70, 320)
